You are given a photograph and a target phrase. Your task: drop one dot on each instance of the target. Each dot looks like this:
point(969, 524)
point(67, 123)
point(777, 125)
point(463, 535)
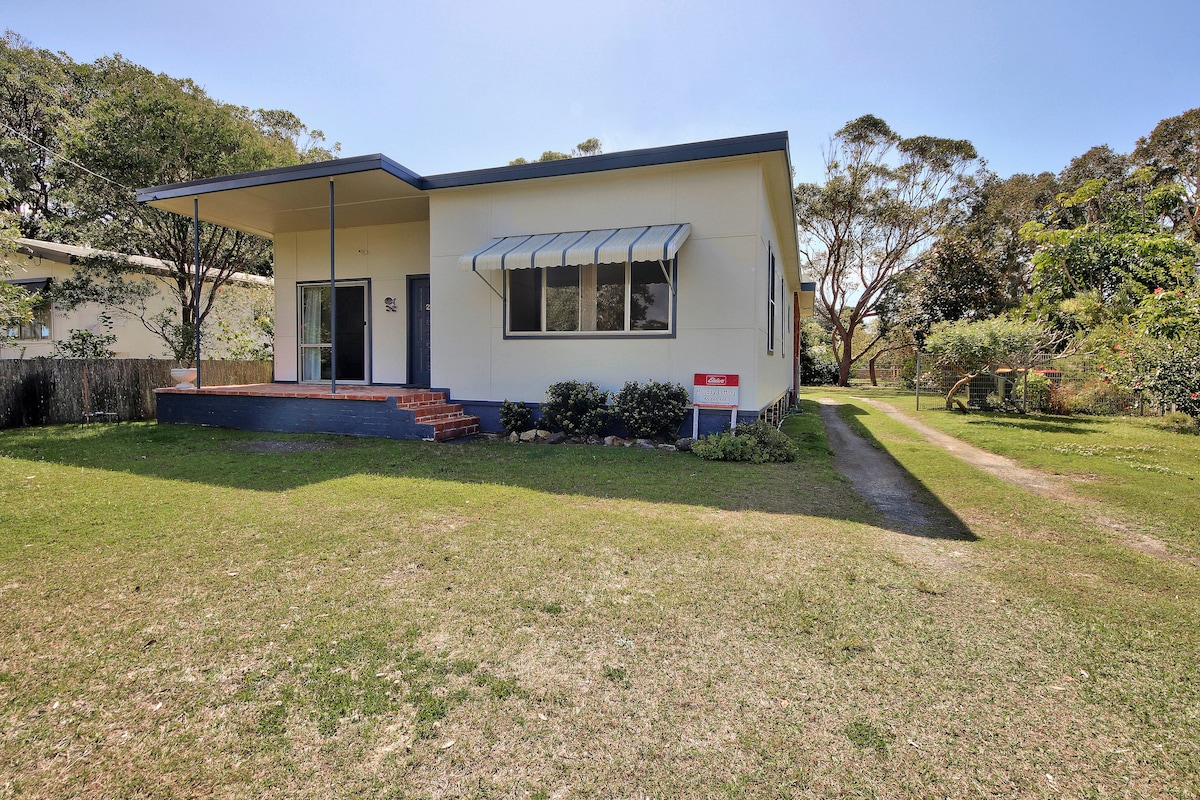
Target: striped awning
point(608, 246)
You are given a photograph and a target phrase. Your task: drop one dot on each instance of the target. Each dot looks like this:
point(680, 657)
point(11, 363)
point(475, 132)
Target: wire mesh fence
point(51, 391)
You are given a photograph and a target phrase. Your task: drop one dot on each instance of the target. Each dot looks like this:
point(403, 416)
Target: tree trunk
point(871, 366)
point(954, 389)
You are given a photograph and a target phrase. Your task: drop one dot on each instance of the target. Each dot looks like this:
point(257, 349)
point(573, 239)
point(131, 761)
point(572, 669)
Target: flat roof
point(375, 190)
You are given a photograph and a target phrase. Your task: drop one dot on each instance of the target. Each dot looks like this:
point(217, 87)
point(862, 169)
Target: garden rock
point(610, 441)
point(529, 436)
point(646, 444)
point(670, 448)
point(684, 444)
point(514, 437)
point(558, 437)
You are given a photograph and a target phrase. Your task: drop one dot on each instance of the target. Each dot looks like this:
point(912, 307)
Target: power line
point(64, 158)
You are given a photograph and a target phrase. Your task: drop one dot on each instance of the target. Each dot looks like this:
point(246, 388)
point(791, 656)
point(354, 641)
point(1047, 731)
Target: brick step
point(455, 426)
point(434, 411)
point(421, 399)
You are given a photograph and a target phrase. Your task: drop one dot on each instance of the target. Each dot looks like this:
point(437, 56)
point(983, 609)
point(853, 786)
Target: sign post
point(713, 390)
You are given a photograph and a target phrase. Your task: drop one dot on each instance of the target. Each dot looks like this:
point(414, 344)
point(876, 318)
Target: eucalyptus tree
point(885, 198)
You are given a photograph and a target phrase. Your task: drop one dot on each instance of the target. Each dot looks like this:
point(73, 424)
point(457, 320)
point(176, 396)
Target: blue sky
point(448, 86)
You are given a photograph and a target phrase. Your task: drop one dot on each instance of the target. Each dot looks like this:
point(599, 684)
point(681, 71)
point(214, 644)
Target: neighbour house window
point(36, 329)
point(771, 307)
point(590, 299)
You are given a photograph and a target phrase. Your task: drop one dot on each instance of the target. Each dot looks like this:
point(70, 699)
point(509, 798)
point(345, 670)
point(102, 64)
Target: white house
point(488, 285)
point(36, 265)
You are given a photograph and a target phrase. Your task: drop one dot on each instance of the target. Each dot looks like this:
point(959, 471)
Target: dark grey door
point(418, 330)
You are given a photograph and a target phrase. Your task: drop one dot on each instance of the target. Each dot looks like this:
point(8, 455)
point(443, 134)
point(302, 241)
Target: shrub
point(725, 446)
point(818, 371)
point(576, 408)
point(653, 409)
point(1094, 397)
point(1178, 422)
point(775, 444)
point(756, 442)
point(514, 417)
point(1038, 389)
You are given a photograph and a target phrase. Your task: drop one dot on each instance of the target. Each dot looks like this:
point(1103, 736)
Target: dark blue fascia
point(318, 169)
point(653, 156)
point(672, 154)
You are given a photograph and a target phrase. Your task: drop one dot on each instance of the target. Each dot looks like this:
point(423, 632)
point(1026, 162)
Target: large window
point(591, 299)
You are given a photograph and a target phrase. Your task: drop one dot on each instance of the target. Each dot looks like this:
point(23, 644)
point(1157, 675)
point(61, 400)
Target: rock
point(684, 444)
point(594, 440)
point(670, 448)
point(610, 441)
point(558, 437)
point(529, 436)
point(514, 437)
point(542, 435)
point(646, 444)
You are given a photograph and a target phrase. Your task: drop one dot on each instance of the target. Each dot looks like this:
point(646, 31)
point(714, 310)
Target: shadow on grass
point(270, 462)
point(1038, 422)
point(904, 502)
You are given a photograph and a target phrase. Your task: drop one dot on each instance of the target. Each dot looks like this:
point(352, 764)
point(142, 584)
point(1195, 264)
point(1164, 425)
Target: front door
point(317, 327)
point(418, 330)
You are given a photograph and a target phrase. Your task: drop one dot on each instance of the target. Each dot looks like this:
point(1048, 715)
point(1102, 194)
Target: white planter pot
point(185, 376)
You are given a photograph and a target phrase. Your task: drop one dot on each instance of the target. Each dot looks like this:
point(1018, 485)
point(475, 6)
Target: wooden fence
point(45, 391)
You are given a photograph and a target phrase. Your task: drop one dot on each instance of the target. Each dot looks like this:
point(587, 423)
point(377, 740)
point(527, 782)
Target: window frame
point(627, 333)
point(42, 320)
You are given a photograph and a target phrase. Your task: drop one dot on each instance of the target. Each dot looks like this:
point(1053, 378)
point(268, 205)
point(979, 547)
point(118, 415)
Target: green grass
point(193, 613)
point(1134, 465)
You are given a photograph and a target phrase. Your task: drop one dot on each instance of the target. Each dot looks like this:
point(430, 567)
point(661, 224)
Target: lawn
point(202, 613)
point(1134, 465)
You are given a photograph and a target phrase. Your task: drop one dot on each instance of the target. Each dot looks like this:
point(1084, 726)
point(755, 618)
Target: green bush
point(817, 371)
point(1178, 422)
point(1038, 391)
point(654, 409)
point(514, 417)
point(576, 408)
point(1095, 397)
point(756, 442)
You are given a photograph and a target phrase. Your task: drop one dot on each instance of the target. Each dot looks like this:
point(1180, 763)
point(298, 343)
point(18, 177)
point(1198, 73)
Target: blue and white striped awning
point(608, 246)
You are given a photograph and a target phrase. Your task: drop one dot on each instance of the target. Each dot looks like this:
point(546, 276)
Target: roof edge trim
point(299, 172)
point(653, 156)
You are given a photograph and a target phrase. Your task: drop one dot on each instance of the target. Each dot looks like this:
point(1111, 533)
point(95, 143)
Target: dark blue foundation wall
point(372, 418)
point(711, 420)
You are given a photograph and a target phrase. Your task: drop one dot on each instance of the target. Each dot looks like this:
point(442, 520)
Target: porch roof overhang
point(608, 246)
point(371, 190)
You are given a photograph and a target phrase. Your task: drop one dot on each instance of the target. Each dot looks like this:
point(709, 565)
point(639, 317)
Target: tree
point(148, 130)
point(1172, 150)
point(885, 198)
point(41, 95)
point(1160, 350)
point(588, 147)
point(972, 346)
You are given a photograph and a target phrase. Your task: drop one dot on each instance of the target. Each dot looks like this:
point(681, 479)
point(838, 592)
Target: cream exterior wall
point(382, 254)
point(721, 282)
point(133, 340)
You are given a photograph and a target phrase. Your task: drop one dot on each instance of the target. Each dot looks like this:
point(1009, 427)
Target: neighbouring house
point(455, 292)
point(36, 265)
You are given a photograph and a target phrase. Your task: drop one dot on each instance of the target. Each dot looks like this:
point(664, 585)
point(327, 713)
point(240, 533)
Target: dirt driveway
point(881, 481)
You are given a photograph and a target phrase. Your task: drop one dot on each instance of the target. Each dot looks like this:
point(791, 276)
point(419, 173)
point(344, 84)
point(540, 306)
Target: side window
point(771, 306)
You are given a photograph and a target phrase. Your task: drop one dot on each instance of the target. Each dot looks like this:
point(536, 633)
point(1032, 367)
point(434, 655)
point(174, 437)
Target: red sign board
point(715, 390)
point(714, 379)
